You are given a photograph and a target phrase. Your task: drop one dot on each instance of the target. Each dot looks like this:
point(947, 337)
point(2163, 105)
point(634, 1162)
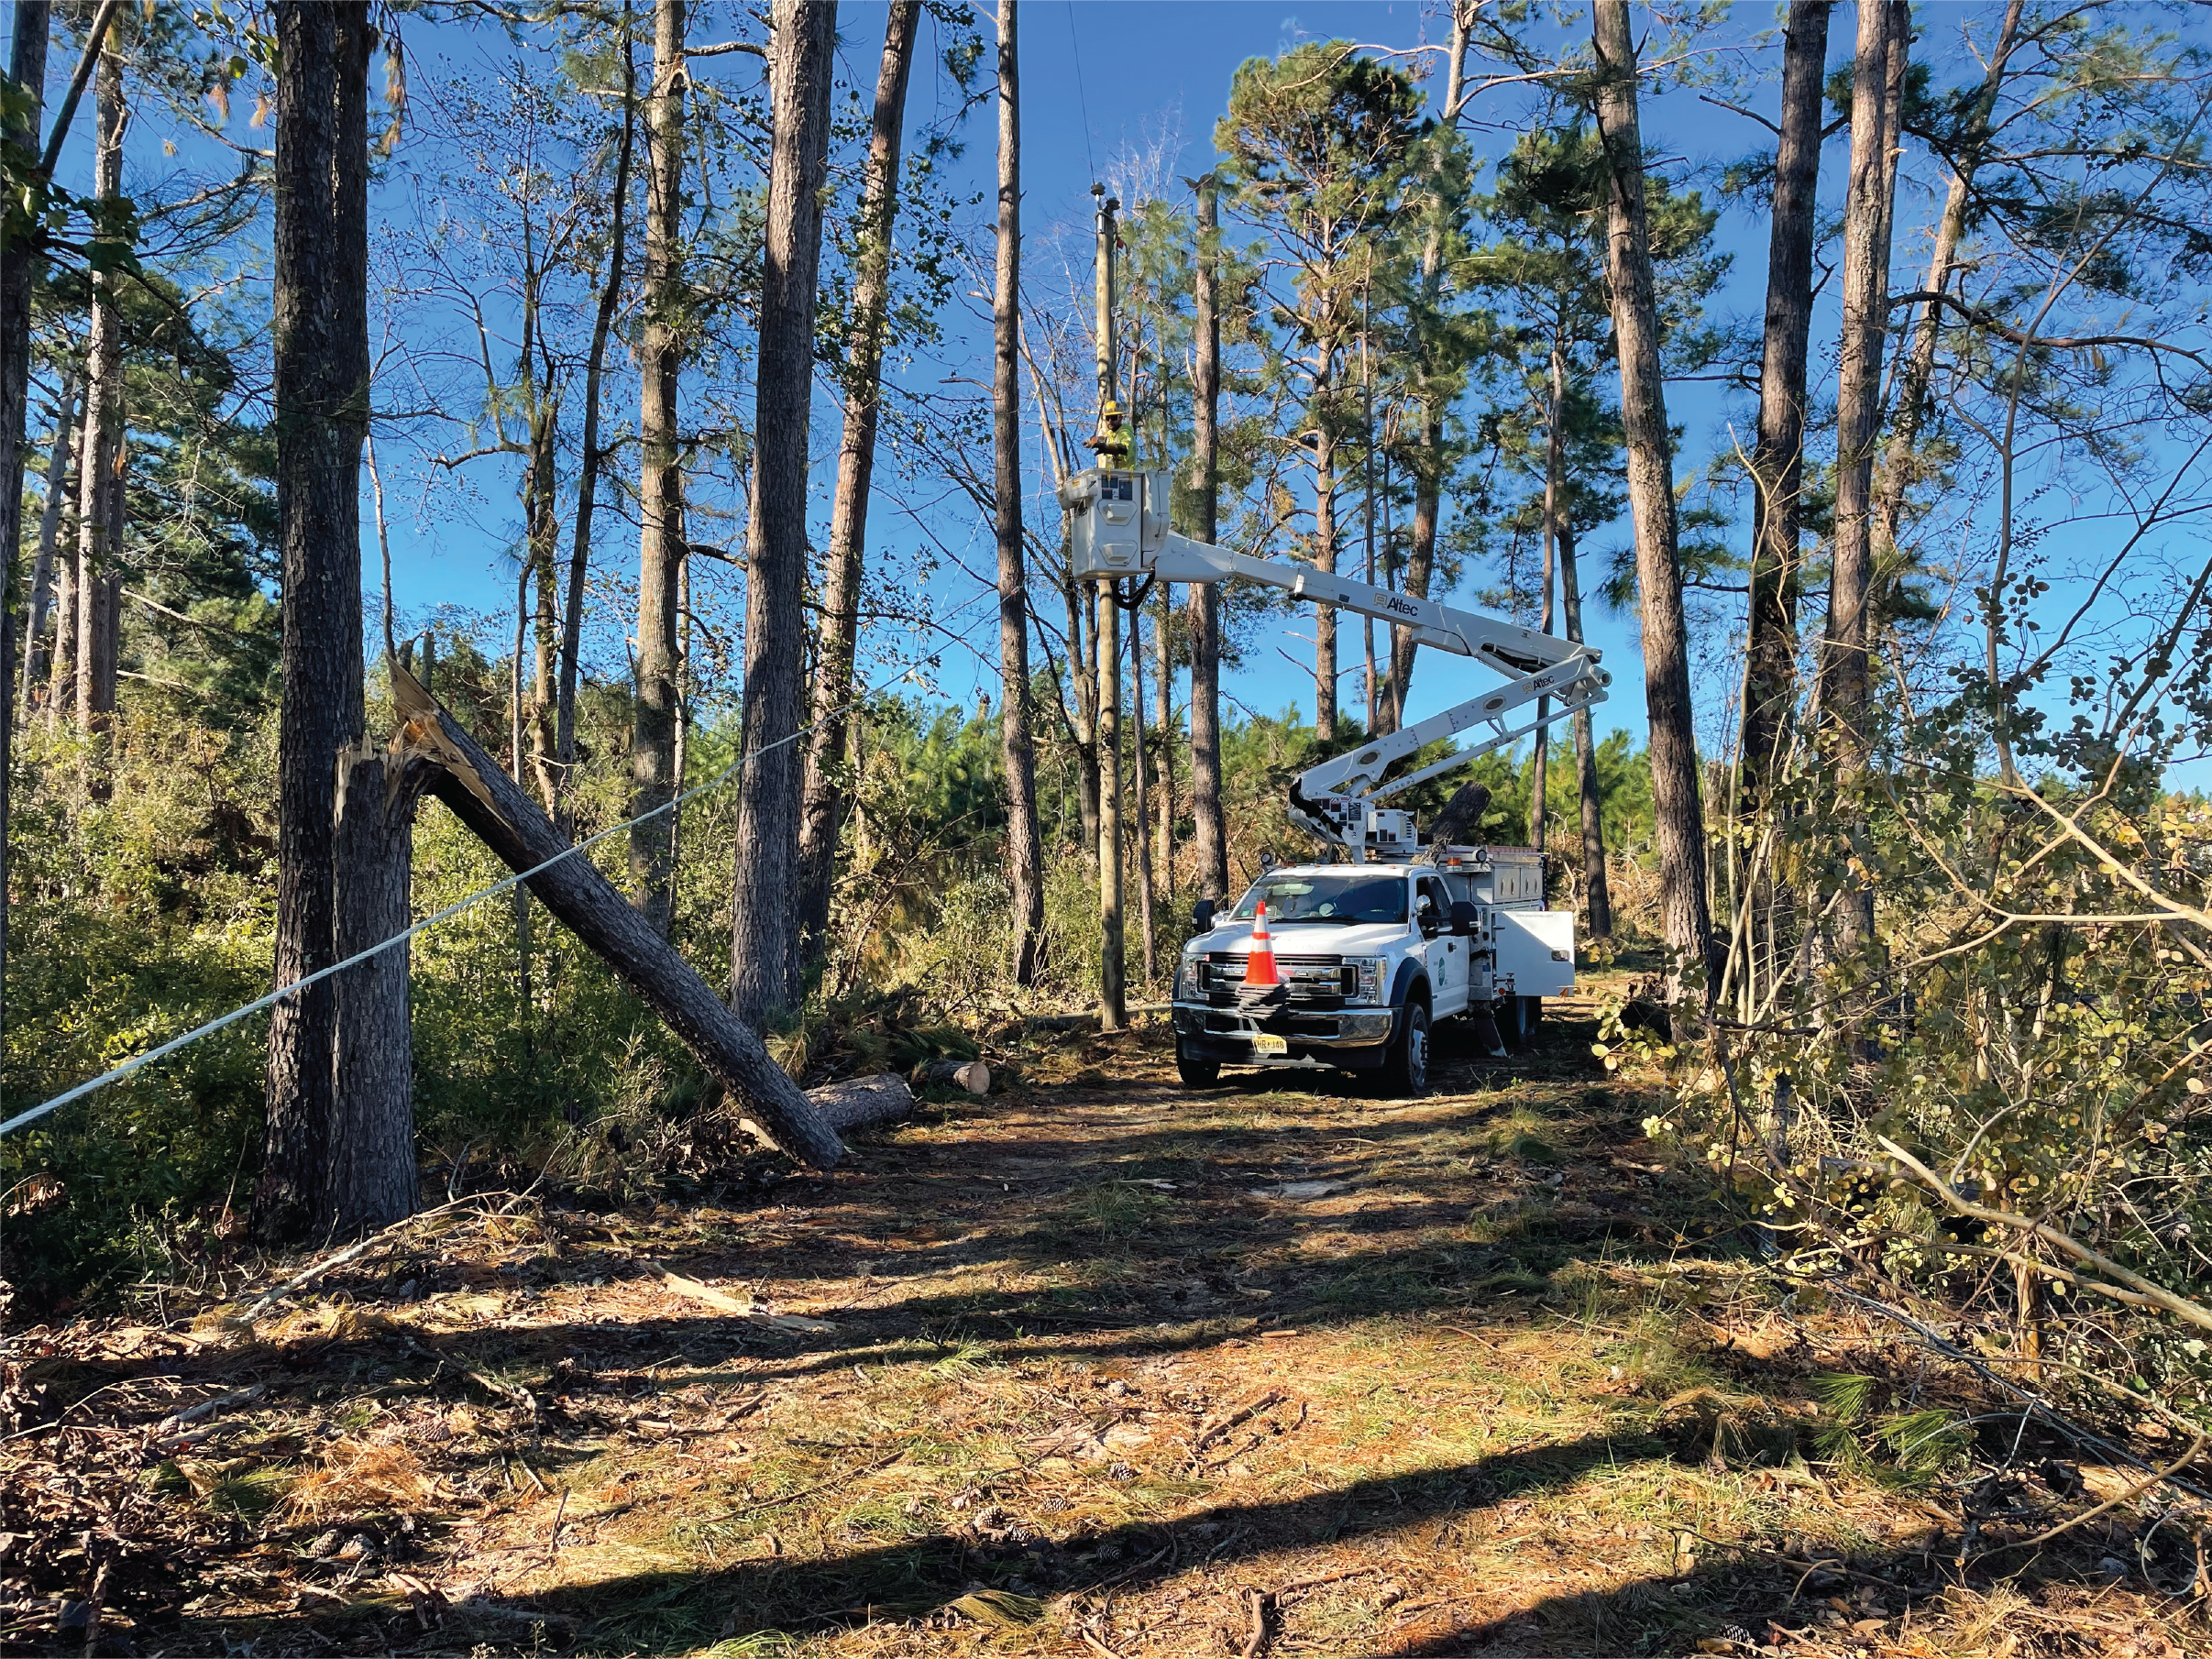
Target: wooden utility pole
point(1676, 809)
point(1106, 642)
point(1208, 834)
point(1024, 852)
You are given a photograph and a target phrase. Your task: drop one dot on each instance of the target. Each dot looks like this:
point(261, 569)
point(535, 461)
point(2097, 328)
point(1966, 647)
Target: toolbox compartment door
point(1535, 951)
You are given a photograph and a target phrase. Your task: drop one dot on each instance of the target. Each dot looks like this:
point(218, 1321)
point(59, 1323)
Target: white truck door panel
point(1535, 951)
point(1447, 954)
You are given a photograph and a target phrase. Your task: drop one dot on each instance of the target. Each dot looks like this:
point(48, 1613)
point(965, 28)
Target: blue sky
point(1098, 74)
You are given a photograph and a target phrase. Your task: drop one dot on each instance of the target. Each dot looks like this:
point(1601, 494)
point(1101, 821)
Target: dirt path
point(1096, 1367)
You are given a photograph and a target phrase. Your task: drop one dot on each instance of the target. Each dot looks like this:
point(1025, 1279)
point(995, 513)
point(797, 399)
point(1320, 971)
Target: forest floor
point(1092, 1367)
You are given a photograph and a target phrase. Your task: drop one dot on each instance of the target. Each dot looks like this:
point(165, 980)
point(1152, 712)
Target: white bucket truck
point(1397, 931)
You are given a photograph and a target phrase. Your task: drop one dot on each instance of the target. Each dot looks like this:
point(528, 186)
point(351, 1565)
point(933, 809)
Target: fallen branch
point(808, 1491)
point(2157, 1295)
point(354, 1252)
point(1244, 1413)
point(1261, 1605)
point(745, 1308)
point(2156, 1477)
point(2037, 1405)
point(166, 1432)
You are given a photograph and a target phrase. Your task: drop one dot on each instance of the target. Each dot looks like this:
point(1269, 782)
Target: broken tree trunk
point(371, 1179)
point(863, 1099)
point(508, 821)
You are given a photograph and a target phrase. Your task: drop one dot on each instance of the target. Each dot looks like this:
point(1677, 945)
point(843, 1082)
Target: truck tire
point(1195, 1074)
point(1405, 1067)
point(1516, 1020)
point(1532, 1015)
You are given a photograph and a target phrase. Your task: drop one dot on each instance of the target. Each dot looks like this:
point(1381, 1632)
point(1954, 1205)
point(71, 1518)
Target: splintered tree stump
point(970, 1074)
point(883, 1098)
point(508, 821)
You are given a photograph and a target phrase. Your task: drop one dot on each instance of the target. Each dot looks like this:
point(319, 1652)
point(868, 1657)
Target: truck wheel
point(1532, 1015)
point(1405, 1068)
point(1195, 1074)
point(1511, 1014)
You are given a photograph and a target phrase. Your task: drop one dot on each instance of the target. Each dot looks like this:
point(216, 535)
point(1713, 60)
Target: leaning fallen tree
point(474, 788)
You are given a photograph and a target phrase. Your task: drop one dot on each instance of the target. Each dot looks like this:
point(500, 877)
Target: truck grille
point(1325, 980)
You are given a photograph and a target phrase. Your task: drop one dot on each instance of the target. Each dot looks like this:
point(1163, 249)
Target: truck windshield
point(1342, 899)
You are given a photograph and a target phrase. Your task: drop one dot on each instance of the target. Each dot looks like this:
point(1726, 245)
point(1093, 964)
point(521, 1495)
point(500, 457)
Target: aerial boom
point(1118, 524)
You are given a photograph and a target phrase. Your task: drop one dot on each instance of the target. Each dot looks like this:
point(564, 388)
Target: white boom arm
point(1118, 528)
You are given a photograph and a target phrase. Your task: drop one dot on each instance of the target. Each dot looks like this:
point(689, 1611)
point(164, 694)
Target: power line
point(138, 1062)
point(1080, 100)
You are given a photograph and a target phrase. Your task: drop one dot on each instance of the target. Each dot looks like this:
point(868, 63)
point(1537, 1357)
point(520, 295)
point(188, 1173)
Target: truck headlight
point(1363, 979)
point(1186, 980)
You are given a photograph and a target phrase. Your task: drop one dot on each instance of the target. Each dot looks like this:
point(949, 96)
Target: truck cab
point(1371, 957)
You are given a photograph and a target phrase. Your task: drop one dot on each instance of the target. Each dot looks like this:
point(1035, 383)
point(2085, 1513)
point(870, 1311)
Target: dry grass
point(356, 1476)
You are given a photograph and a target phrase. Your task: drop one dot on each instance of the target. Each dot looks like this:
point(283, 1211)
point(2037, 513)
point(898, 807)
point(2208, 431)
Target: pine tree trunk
point(1210, 835)
point(321, 362)
point(100, 514)
point(541, 513)
point(1024, 852)
point(1597, 896)
point(661, 342)
point(823, 812)
point(60, 468)
point(1778, 457)
point(590, 455)
point(1680, 827)
point(61, 668)
point(764, 962)
point(371, 1181)
point(19, 126)
point(1843, 651)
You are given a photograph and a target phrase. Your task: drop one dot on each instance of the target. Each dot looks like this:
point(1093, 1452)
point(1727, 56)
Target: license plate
point(1266, 1042)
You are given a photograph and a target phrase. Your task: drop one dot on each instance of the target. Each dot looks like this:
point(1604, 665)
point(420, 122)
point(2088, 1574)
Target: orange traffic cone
point(1260, 967)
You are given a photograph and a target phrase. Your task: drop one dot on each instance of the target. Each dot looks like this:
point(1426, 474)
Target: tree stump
point(973, 1075)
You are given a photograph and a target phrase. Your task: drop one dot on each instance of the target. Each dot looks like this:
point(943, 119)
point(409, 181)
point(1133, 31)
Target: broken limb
point(492, 805)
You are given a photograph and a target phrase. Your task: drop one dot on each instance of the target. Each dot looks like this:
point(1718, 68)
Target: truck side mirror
point(1426, 916)
point(1202, 916)
point(1467, 921)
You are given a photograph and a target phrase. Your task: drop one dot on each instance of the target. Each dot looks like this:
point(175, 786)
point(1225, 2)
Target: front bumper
point(1354, 1040)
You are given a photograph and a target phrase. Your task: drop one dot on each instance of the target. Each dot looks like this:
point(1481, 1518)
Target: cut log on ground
point(970, 1074)
point(508, 821)
point(880, 1099)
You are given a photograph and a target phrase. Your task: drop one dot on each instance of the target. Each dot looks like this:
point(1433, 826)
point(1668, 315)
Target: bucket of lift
point(1118, 522)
